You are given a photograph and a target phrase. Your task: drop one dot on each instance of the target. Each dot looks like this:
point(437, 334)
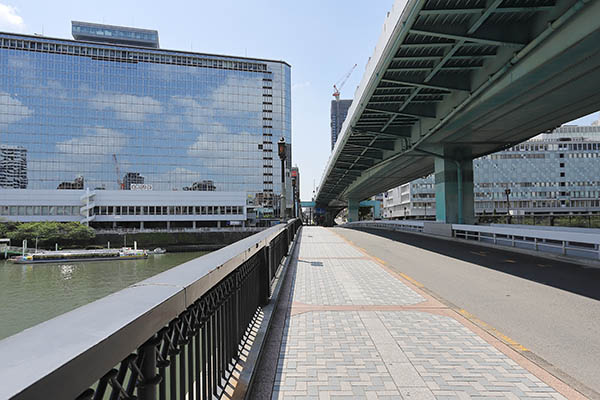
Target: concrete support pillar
point(114, 224)
point(454, 191)
point(353, 206)
point(141, 225)
point(218, 224)
point(194, 224)
point(168, 224)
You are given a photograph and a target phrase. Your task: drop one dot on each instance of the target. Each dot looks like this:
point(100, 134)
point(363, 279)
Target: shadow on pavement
point(575, 278)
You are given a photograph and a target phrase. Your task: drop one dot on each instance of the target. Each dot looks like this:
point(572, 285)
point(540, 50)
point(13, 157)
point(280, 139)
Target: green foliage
point(48, 233)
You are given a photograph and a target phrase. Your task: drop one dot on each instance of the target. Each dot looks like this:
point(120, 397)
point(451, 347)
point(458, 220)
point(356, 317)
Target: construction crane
point(119, 181)
point(340, 84)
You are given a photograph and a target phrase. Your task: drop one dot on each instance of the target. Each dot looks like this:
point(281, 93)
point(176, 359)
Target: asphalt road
point(550, 307)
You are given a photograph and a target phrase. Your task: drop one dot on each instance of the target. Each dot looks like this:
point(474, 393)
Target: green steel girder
point(466, 38)
point(406, 82)
point(367, 166)
point(376, 146)
point(425, 69)
point(462, 11)
point(364, 156)
point(402, 113)
point(391, 135)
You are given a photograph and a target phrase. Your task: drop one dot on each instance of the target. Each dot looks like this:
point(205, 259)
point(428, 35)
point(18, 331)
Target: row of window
point(538, 204)
point(130, 56)
point(40, 210)
point(532, 146)
point(122, 210)
point(168, 210)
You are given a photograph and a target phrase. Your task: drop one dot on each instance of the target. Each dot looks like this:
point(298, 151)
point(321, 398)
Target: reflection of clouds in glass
point(11, 109)
point(218, 142)
point(128, 107)
point(96, 141)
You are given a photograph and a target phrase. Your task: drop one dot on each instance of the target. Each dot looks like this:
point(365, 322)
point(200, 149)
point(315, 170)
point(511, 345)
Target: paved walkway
point(357, 330)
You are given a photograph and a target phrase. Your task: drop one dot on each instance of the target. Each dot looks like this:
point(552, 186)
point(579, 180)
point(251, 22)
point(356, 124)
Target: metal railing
point(177, 335)
point(407, 225)
point(573, 242)
point(557, 241)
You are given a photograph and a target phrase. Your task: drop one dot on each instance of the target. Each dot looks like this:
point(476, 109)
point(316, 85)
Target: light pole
point(281, 147)
point(507, 193)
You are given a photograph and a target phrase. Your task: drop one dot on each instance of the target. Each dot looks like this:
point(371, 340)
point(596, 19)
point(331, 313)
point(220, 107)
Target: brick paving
point(409, 354)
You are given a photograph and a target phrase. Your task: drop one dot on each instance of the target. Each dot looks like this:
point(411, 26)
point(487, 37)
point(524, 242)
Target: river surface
point(30, 294)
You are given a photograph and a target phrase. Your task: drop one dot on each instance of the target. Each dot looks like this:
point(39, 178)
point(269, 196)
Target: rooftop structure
point(87, 31)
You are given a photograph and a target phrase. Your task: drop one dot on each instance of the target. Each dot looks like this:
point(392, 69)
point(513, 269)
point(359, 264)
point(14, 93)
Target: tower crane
point(340, 84)
point(119, 181)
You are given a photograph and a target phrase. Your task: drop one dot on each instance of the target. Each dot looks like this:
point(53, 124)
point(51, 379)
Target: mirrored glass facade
point(96, 115)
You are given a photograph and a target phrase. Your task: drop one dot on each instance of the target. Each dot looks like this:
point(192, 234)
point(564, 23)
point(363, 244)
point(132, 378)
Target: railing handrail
point(560, 235)
point(92, 339)
point(591, 238)
point(403, 223)
point(549, 228)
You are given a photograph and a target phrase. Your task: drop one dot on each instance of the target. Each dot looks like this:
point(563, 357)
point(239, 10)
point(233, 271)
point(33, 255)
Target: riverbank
point(174, 241)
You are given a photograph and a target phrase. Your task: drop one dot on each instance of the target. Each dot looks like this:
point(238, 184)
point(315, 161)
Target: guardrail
point(414, 226)
point(567, 242)
point(178, 334)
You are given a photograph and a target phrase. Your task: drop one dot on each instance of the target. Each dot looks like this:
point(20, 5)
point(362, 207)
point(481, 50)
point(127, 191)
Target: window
point(562, 165)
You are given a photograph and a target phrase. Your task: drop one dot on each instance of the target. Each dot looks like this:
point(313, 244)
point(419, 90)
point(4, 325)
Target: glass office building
point(339, 111)
point(556, 173)
point(114, 115)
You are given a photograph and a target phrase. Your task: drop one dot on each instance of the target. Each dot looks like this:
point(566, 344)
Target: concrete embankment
point(175, 241)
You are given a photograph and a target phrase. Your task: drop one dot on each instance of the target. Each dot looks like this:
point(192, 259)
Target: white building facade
point(141, 209)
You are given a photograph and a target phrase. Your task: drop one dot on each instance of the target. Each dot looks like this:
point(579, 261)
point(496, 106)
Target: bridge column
point(454, 191)
point(353, 206)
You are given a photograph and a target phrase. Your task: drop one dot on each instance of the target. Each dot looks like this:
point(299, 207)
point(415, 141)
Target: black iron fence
point(177, 335)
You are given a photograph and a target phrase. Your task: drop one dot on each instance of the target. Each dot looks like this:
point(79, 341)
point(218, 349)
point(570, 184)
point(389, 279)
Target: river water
point(30, 294)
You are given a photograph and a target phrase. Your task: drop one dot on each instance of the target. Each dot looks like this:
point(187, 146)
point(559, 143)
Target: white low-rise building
point(125, 208)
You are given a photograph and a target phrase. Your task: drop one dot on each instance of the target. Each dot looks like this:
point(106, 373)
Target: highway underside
point(547, 310)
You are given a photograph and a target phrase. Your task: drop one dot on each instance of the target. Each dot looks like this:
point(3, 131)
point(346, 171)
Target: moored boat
point(124, 253)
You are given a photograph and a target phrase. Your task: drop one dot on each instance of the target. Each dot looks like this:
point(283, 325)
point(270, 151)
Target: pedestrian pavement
point(356, 329)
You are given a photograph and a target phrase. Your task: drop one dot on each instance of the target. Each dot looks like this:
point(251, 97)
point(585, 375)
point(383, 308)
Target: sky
point(321, 40)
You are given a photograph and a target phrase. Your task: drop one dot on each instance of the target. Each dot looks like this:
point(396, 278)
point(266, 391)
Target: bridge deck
point(356, 329)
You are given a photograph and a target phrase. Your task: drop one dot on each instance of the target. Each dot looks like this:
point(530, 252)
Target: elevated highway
point(454, 80)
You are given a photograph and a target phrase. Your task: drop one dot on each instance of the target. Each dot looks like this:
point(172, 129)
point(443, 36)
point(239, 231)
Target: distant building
point(13, 167)
point(339, 111)
point(77, 184)
point(557, 172)
point(132, 178)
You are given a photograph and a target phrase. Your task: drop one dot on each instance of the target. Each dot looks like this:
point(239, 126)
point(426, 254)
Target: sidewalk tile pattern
point(349, 281)
point(408, 355)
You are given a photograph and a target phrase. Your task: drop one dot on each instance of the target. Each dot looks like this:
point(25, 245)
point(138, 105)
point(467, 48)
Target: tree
point(48, 233)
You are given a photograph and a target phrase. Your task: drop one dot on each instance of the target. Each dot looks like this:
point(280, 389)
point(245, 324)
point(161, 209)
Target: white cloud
point(95, 142)
point(11, 109)
point(10, 20)
point(129, 107)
